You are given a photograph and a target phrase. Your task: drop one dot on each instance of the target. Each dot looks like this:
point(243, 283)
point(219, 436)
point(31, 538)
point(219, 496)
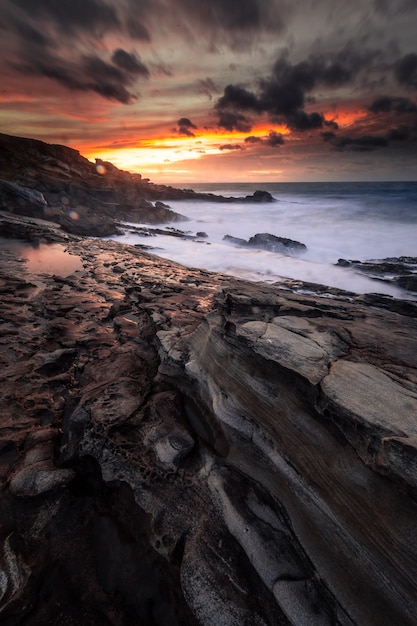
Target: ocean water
point(359, 221)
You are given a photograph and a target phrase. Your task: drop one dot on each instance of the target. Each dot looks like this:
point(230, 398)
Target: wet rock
point(179, 447)
point(259, 196)
point(266, 241)
point(401, 271)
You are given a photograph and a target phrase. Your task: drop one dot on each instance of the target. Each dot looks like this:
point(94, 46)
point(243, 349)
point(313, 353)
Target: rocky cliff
point(56, 182)
point(179, 447)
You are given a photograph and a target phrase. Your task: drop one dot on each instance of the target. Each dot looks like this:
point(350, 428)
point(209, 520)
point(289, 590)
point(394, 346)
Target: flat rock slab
point(366, 395)
point(294, 343)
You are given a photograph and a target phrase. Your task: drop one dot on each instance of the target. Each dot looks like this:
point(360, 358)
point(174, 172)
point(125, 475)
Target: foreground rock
point(179, 447)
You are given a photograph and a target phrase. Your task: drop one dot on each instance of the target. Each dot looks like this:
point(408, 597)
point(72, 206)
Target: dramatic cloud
point(184, 127)
point(236, 97)
point(90, 73)
point(331, 76)
point(129, 63)
point(403, 133)
point(69, 16)
point(406, 71)
point(230, 120)
point(282, 95)
point(207, 88)
point(274, 139)
point(230, 146)
point(365, 143)
point(238, 15)
point(386, 104)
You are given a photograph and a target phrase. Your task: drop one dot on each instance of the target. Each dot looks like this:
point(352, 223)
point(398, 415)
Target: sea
point(338, 220)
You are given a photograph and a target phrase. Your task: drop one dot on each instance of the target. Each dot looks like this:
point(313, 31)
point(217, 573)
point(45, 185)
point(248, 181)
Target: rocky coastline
point(180, 447)
point(186, 448)
point(56, 183)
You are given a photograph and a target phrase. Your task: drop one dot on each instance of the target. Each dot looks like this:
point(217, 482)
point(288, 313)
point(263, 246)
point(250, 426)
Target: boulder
point(266, 241)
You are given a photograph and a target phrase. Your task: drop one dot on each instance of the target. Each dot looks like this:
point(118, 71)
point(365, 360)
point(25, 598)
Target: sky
point(187, 91)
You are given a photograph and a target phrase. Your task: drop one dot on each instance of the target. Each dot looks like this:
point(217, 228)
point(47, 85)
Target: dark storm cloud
point(328, 135)
point(237, 15)
point(236, 97)
point(137, 30)
point(403, 133)
point(283, 94)
point(129, 62)
point(300, 120)
point(364, 143)
point(230, 120)
point(30, 34)
point(207, 87)
point(50, 41)
point(230, 146)
point(184, 127)
point(89, 73)
point(185, 121)
point(386, 104)
point(406, 70)
point(274, 139)
point(74, 15)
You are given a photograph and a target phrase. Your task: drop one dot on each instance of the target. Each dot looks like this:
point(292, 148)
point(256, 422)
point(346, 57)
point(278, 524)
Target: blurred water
point(334, 220)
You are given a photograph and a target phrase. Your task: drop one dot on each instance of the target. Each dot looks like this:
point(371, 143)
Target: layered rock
point(179, 447)
point(57, 183)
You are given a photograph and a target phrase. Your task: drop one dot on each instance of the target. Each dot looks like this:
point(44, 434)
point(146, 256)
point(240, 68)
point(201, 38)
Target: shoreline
point(206, 421)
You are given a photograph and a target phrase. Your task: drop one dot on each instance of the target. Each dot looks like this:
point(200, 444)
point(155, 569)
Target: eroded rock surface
point(179, 447)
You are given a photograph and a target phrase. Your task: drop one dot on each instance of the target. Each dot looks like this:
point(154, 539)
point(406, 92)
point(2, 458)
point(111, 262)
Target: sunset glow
point(216, 93)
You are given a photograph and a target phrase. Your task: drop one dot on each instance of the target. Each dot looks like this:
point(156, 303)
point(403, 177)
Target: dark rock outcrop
point(55, 182)
point(21, 200)
point(266, 241)
point(401, 271)
point(179, 447)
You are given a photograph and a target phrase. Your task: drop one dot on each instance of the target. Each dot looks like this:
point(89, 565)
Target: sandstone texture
point(183, 448)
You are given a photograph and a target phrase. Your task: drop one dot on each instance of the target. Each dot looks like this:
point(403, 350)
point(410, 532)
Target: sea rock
point(266, 241)
point(401, 271)
point(180, 447)
point(259, 196)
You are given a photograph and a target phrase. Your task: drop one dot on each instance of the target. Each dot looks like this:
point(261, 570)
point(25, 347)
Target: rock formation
point(180, 447)
point(401, 271)
point(55, 182)
point(266, 241)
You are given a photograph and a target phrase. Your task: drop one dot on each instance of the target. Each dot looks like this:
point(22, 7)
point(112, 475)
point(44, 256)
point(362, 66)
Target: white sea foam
point(346, 222)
